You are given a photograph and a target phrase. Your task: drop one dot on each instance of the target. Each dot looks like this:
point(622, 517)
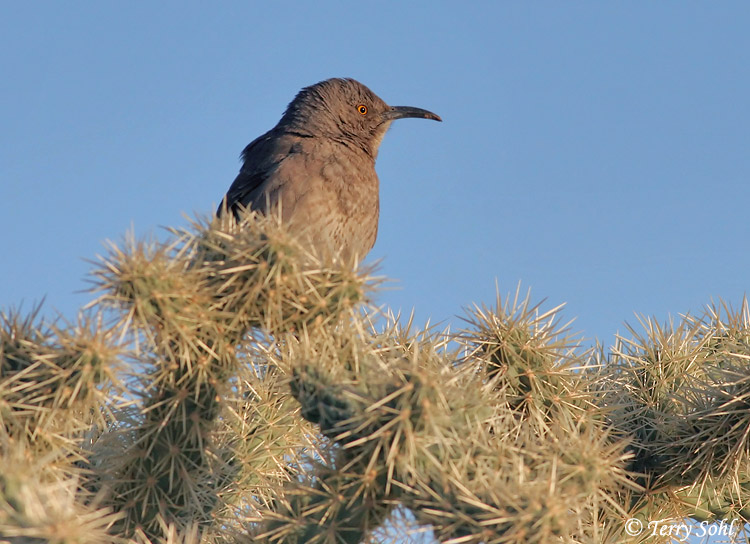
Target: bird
point(316, 167)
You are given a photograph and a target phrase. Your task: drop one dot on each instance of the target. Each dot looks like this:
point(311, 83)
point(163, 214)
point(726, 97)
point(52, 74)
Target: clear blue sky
point(599, 152)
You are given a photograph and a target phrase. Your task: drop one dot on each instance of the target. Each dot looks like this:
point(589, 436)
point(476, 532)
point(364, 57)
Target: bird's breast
point(338, 202)
point(353, 190)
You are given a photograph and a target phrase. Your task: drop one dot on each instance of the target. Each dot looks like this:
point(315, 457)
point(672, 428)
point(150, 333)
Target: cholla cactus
point(228, 386)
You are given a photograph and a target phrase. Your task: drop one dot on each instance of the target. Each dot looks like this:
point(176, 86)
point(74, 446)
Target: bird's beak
point(401, 112)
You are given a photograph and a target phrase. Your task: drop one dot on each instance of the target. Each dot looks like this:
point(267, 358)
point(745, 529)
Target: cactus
point(226, 385)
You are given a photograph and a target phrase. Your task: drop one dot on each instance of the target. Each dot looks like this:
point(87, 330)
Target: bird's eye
point(362, 109)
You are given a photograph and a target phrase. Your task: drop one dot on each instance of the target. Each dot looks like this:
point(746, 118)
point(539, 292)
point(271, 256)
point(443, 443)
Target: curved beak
point(402, 112)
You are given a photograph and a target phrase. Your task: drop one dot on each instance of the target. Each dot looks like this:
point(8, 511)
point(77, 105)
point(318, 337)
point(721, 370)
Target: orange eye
point(362, 109)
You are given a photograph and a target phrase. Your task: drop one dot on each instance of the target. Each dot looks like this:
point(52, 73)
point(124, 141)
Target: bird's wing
point(261, 159)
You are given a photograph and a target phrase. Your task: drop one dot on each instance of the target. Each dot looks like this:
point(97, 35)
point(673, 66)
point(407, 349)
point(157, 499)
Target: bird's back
point(260, 159)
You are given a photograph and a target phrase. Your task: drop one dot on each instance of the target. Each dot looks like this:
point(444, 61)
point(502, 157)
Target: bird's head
point(346, 111)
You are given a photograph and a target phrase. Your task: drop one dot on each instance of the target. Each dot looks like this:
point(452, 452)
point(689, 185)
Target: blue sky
point(598, 152)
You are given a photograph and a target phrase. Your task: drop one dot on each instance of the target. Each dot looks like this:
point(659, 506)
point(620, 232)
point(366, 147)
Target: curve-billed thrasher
point(317, 165)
